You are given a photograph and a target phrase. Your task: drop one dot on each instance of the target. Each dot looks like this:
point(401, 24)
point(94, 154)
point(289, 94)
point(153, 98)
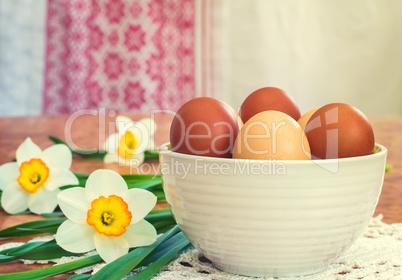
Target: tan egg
point(271, 135)
point(304, 119)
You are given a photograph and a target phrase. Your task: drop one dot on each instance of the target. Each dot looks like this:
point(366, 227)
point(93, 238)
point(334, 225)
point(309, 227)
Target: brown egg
point(339, 130)
point(271, 135)
point(268, 98)
point(204, 126)
point(304, 119)
point(235, 114)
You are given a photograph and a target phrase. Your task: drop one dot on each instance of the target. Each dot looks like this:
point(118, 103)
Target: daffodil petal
point(75, 204)
point(140, 202)
point(59, 177)
point(123, 124)
point(57, 156)
point(150, 124)
point(141, 233)
point(75, 238)
point(134, 160)
point(110, 158)
point(106, 182)
point(9, 172)
point(43, 201)
point(151, 146)
point(112, 143)
point(141, 134)
point(14, 198)
point(110, 247)
point(28, 150)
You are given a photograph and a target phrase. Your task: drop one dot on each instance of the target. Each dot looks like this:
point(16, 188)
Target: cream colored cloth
point(318, 51)
point(377, 254)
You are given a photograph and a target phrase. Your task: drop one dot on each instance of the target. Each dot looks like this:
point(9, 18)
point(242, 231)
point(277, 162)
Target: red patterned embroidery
point(134, 38)
point(136, 10)
point(134, 66)
point(134, 95)
point(113, 95)
point(114, 11)
point(96, 38)
point(113, 66)
point(129, 55)
point(114, 38)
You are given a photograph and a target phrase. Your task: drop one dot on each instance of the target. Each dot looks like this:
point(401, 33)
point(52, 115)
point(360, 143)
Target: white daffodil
point(127, 146)
point(106, 216)
point(34, 180)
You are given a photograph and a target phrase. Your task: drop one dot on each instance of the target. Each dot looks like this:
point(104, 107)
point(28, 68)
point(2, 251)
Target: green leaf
point(140, 177)
point(52, 215)
point(159, 215)
point(53, 270)
point(145, 184)
point(41, 250)
point(172, 250)
point(25, 248)
point(32, 228)
point(79, 277)
point(81, 185)
point(51, 226)
point(160, 225)
point(163, 249)
point(82, 152)
point(123, 265)
point(29, 231)
point(151, 154)
point(99, 154)
point(5, 258)
point(57, 140)
point(160, 195)
point(388, 167)
point(48, 250)
point(23, 213)
point(131, 179)
point(81, 175)
point(90, 154)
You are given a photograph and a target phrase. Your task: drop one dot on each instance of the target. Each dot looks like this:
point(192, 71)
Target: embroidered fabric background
point(129, 55)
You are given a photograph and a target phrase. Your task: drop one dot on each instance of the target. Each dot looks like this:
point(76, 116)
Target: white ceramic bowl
point(272, 218)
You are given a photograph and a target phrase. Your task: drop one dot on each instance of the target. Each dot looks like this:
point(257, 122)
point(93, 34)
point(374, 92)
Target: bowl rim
point(164, 149)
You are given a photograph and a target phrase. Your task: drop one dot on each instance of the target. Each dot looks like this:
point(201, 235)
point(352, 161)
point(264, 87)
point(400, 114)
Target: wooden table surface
point(90, 131)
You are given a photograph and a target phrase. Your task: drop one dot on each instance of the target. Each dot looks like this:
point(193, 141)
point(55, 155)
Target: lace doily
point(377, 254)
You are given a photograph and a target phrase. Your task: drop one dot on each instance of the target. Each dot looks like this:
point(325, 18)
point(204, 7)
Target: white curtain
point(22, 47)
point(318, 51)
